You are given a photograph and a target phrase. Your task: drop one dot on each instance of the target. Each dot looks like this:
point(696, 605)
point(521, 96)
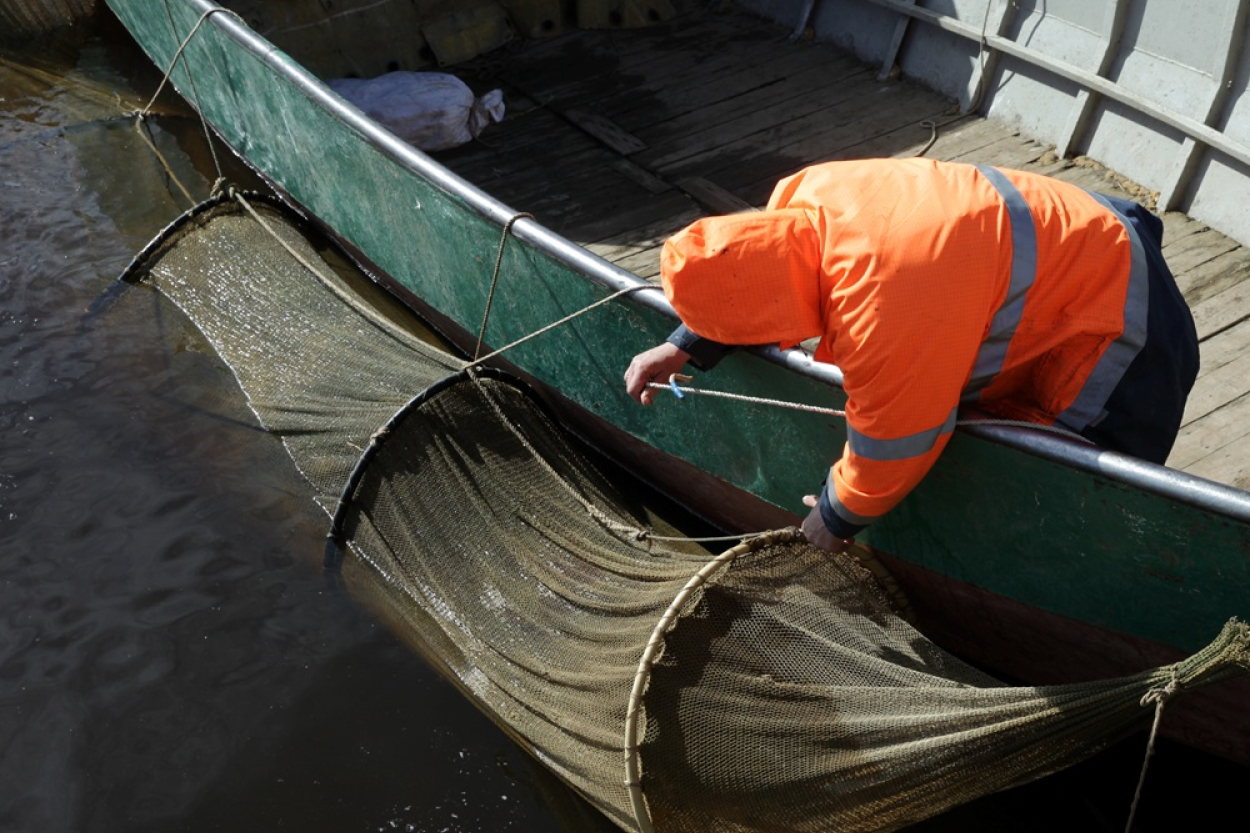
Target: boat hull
point(1015, 540)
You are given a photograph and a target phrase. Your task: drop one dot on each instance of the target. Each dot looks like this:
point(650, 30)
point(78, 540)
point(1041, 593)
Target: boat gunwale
point(1222, 499)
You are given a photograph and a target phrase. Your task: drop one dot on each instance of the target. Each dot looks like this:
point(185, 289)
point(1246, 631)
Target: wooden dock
point(648, 129)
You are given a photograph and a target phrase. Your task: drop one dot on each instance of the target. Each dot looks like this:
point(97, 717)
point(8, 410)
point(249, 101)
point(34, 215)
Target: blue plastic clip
point(672, 383)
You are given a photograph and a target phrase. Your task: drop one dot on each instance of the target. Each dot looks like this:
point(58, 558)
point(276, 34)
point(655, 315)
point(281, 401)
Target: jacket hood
point(750, 278)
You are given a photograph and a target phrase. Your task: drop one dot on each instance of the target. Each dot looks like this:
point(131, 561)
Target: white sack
point(430, 110)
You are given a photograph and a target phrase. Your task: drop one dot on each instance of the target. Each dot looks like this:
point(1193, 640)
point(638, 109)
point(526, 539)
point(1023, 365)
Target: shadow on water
point(169, 656)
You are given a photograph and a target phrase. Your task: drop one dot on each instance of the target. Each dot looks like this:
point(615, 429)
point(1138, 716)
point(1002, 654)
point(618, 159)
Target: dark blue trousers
point(1143, 413)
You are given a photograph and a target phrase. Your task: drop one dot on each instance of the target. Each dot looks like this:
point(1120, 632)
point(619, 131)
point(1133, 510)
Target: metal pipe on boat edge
point(1169, 483)
point(332, 562)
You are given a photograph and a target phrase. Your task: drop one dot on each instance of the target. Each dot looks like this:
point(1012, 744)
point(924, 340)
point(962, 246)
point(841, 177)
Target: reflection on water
point(169, 656)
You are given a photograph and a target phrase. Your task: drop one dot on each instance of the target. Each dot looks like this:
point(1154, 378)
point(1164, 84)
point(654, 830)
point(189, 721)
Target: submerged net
point(785, 693)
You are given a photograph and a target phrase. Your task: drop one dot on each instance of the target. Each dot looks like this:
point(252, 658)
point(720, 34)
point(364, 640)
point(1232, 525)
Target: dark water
point(170, 658)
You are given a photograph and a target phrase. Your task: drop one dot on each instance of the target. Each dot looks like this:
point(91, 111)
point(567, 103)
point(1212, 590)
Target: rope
point(680, 390)
point(199, 107)
point(178, 54)
point(141, 128)
point(494, 278)
point(1159, 698)
point(631, 531)
point(974, 103)
point(627, 290)
point(142, 114)
point(195, 92)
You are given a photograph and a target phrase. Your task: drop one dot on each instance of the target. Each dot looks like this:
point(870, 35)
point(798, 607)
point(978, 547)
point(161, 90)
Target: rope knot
point(1160, 696)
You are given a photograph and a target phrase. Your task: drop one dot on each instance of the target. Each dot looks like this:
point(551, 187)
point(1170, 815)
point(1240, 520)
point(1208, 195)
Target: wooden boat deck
point(616, 139)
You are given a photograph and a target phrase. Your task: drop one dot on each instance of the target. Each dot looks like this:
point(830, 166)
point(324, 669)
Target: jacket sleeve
point(705, 354)
point(903, 381)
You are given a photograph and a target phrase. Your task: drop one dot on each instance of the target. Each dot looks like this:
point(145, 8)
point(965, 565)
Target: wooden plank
point(656, 232)
point(899, 142)
point(1093, 177)
point(583, 226)
point(787, 118)
point(1049, 164)
point(1009, 151)
point(713, 197)
point(619, 252)
point(1225, 348)
point(512, 144)
point(1224, 383)
point(1227, 464)
point(1222, 311)
point(619, 205)
point(637, 174)
point(674, 96)
point(518, 186)
point(781, 149)
point(1177, 226)
point(645, 263)
point(582, 70)
point(1195, 249)
point(727, 121)
point(1213, 276)
point(606, 131)
point(1215, 447)
point(954, 138)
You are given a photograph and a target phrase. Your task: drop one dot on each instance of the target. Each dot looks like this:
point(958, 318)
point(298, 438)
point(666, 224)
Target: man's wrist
point(819, 535)
point(835, 523)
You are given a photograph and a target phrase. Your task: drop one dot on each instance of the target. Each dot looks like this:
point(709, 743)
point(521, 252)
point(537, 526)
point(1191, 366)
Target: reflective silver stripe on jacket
point(993, 350)
point(1088, 407)
point(840, 509)
point(902, 448)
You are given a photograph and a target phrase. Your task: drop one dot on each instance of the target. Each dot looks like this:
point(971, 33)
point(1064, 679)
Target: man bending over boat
point(936, 286)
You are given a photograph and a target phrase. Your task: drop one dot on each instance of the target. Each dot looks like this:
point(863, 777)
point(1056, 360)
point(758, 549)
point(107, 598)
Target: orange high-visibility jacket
point(929, 284)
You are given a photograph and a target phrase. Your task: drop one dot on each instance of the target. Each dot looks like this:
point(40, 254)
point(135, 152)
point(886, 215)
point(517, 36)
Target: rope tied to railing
point(142, 114)
point(494, 278)
point(178, 54)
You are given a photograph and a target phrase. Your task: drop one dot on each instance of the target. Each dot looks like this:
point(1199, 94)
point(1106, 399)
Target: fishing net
point(772, 687)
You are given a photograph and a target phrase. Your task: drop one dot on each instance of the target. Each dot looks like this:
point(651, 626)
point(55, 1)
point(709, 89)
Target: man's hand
point(817, 533)
point(655, 365)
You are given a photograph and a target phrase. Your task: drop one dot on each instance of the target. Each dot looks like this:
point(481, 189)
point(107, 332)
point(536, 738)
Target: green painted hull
point(1097, 542)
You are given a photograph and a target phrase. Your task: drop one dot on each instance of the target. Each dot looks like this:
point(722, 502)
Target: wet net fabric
point(290, 338)
point(787, 695)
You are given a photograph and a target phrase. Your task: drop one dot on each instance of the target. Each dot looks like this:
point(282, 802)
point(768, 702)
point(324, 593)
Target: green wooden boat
point(1041, 558)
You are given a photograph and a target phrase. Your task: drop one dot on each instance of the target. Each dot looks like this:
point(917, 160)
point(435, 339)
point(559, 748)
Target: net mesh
point(787, 693)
